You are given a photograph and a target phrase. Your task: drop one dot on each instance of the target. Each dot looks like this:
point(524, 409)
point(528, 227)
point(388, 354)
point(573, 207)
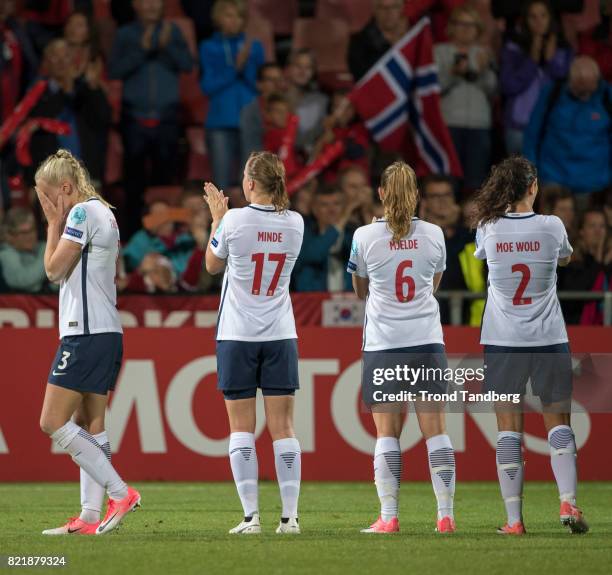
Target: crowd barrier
point(167, 420)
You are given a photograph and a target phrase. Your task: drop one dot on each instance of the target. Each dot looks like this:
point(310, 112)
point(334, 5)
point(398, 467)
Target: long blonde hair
point(399, 183)
point(63, 166)
point(267, 169)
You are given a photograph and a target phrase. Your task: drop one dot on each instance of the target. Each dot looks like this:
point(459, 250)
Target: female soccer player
point(81, 255)
point(256, 338)
point(523, 331)
point(397, 263)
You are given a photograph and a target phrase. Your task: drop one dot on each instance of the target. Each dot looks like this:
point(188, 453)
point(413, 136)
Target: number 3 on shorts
point(64, 361)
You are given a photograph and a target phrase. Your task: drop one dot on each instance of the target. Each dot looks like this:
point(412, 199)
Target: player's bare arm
point(60, 254)
point(217, 203)
point(361, 285)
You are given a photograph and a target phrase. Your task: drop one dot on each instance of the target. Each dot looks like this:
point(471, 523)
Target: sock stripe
point(508, 450)
point(89, 438)
point(107, 450)
point(288, 457)
point(246, 452)
point(561, 438)
point(394, 463)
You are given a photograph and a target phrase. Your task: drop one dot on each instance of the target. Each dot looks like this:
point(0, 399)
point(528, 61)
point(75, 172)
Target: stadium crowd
point(156, 97)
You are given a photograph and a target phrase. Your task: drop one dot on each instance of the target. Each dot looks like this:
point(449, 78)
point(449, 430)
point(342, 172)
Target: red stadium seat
point(170, 194)
point(114, 158)
point(115, 94)
point(356, 13)
point(102, 9)
point(260, 28)
point(198, 166)
point(328, 39)
point(280, 14)
point(106, 33)
point(174, 9)
point(193, 102)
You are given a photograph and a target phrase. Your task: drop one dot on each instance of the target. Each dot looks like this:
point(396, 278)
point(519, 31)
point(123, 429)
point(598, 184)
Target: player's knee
point(281, 431)
point(48, 426)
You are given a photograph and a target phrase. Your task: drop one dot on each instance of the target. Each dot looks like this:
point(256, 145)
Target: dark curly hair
point(506, 186)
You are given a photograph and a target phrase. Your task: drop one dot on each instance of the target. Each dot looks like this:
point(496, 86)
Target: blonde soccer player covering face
point(81, 255)
point(258, 246)
point(523, 332)
point(397, 263)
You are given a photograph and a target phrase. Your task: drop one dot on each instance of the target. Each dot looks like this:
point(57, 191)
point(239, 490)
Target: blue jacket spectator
point(148, 56)
point(569, 137)
point(229, 63)
point(321, 265)
point(535, 58)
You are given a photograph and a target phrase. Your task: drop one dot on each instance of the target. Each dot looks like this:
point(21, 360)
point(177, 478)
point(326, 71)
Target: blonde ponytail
point(400, 199)
point(63, 166)
point(268, 170)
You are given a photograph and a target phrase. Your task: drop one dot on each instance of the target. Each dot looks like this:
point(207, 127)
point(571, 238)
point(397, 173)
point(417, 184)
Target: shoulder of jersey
point(429, 228)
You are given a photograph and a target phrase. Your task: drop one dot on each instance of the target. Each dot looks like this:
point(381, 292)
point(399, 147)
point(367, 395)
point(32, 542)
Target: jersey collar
point(383, 220)
point(262, 207)
point(518, 215)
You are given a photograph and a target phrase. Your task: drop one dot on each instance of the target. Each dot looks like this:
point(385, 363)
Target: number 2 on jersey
point(259, 265)
point(401, 280)
point(525, 272)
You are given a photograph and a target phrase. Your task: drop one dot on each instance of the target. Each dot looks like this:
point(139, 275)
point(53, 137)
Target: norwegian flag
point(402, 90)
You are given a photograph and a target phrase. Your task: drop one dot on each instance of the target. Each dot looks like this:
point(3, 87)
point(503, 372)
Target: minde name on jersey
point(270, 237)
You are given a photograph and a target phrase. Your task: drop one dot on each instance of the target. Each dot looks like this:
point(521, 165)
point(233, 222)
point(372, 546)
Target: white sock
point(510, 473)
point(92, 493)
point(387, 475)
point(243, 459)
point(288, 461)
point(442, 469)
point(88, 455)
point(563, 461)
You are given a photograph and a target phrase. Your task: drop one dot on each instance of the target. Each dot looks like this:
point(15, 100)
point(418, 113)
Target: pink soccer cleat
point(517, 529)
point(117, 510)
point(446, 525)
point(380, 526)
point(572, 517)
point(74, 526)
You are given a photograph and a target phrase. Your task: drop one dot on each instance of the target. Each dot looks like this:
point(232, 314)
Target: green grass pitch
point(182, 529)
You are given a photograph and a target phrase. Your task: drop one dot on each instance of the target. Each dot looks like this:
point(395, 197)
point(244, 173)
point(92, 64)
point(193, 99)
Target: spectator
point(148, 56)
point(79, 102)
point(597, 43)
point(230, 61)
point(559, 201)
point(281, 129)
point(321, 265)
point(589, 270)
point(155, 274)
point(22, 255)
point(269, 81)
point(511, 12)
point(301, 199)
point(343, 125)
point(83, 44)
point(368, 45)
point(570, 134)
point(463, 270)
point(353, 183)
point(468, 82)
point(440, 12)
point(309, 104)
point(536, 57)
point(160, 235)
point(18, 61)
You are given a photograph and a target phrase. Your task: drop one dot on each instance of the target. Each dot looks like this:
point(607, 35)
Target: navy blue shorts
point(244, 366)
point(375, 363)
point(549, 367)
point(88, 363)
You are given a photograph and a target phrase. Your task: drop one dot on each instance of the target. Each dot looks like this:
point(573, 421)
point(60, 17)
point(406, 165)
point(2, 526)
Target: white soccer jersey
point(401, 310)
point(261, 246)
point(88, 296)
point(522, 308)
